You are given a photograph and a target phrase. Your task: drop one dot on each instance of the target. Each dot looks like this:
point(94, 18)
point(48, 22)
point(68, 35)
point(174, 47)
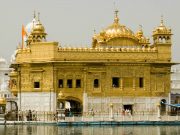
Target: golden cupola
point(162, 34)
point(115, 35)
point(38, 33)
point(142, 39)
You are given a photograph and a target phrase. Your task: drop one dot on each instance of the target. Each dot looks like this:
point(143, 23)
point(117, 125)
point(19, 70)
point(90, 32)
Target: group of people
point(30, 115)
point(68, 113)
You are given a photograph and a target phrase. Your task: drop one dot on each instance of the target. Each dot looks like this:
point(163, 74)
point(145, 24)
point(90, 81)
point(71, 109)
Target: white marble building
point(4, 79)
point(175, 85)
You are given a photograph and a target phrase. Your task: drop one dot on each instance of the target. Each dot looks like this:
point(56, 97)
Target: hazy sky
point(72, 22)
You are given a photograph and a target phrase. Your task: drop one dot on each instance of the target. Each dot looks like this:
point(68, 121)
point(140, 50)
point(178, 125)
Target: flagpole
point(24, 33)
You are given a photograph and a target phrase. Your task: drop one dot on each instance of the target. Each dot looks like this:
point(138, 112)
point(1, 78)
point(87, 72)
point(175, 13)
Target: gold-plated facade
point(119, 64)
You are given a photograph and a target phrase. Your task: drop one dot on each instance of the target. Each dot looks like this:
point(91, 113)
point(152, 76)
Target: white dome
point(2, 60)
point(30, 26)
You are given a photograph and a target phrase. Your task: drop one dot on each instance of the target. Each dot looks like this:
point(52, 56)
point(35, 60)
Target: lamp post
point(60, 96)
point(61, 109)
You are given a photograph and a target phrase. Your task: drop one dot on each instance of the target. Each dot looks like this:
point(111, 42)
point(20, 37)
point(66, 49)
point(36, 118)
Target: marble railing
point(143, 49)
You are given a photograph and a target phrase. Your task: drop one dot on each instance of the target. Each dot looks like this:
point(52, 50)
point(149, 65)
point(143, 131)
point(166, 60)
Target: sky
point(72, 22)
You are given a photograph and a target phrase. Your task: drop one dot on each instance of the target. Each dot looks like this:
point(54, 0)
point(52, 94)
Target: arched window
point(69, 83)
point(164, 40)
point(115, 82)
point(96, 83)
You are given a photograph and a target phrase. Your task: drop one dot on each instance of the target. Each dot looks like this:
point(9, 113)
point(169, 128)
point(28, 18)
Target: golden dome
point(118, 30)
point(39, 28)
point(114, 31)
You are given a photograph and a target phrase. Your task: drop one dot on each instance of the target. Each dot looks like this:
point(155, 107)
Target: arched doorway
point(75, 107)
point(163, 107)
point(11, 111)
point(70, 106)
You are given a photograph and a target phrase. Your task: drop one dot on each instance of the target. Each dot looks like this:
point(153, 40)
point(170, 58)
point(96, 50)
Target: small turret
point(38, 33)
point(162, 34)
point(142, 39)
point(162, 40)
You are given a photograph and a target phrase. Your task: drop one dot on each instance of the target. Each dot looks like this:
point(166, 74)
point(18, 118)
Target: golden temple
point(121, 68)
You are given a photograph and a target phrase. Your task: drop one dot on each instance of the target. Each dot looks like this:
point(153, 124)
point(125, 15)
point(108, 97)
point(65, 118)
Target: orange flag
point(24, 33)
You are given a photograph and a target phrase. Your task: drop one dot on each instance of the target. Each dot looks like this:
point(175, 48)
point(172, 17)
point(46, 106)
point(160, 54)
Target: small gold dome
point(142, 39)
point(39, 28)
point(2, 101)
point(162, 29)
point(38, 33)
point(139, 34)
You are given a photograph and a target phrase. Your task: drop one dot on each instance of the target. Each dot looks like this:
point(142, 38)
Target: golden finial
point(116, 19)
point(33, 25)
point(34, 15)
point(140, 27)
point(114, 3)
point(94, 31)
point(116, 13)
point(162, 20)
point(38, 16)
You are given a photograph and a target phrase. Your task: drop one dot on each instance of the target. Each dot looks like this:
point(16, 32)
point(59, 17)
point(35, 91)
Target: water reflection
point(88, 130)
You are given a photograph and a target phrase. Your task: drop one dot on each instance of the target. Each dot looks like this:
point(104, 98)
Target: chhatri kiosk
point(121, 69)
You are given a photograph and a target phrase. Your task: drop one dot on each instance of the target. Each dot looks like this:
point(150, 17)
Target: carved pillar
point(65, 82)
point(85, 96)
point(144, 83)
point(155, 82)
point(55, 87)
point(121, 83)
point(55, 80)
point(134, 83)
point(74, 82)
point(84, 83)
point(19, 85)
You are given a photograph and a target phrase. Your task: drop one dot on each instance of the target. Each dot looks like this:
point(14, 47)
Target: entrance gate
point(71, 107)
